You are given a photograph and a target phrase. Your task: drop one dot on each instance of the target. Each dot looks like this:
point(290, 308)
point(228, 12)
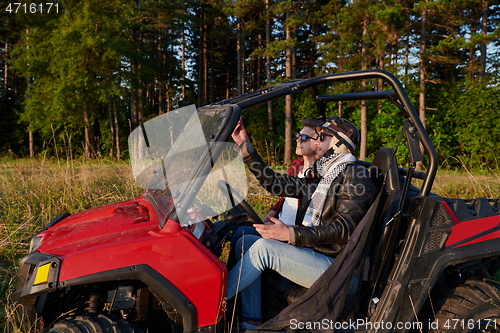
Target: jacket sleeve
point(347, 202)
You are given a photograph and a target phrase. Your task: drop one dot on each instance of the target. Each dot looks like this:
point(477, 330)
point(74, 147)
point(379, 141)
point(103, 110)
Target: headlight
point(35, 243)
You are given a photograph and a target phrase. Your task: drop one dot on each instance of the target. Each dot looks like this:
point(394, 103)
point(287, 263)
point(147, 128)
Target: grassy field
point(32, 192)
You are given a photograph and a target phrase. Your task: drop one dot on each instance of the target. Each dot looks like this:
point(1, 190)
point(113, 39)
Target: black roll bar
point(268, 94)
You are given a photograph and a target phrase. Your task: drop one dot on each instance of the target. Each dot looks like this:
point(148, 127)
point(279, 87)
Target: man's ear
point(339, 148)
point(335, 147)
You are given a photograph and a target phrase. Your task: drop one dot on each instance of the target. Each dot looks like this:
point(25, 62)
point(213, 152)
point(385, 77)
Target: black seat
point(384, 167)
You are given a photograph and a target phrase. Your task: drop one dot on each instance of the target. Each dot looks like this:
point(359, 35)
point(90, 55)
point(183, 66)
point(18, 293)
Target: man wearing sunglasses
point(285, 208)
point(337, 202)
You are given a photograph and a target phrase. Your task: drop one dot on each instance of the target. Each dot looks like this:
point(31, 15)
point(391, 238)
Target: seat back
point(384, 167)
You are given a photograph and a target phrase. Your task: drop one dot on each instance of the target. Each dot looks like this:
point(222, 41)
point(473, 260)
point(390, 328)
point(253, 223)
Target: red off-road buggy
point(151, 264)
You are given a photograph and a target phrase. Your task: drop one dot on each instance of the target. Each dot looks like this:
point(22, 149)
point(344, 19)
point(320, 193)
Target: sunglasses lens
point(301, 137)
point(323, 136)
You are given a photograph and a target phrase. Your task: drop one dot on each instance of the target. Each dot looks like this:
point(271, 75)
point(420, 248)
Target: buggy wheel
point(92, 324)
point(473, 307)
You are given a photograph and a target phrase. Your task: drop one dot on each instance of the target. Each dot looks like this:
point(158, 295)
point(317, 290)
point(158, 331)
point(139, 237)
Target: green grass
point(32, 192)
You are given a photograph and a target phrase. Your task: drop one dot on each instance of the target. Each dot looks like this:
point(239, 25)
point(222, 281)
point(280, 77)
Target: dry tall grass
point(32, 192)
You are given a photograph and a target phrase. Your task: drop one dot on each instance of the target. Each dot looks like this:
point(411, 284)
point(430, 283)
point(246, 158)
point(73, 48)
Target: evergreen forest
point(76, 76)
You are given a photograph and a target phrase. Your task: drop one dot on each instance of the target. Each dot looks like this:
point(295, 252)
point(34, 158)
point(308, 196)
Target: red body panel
point(463, 230)
point(127, 234)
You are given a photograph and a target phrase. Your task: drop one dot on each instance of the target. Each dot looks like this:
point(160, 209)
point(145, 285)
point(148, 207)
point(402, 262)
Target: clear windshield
point(177, 159)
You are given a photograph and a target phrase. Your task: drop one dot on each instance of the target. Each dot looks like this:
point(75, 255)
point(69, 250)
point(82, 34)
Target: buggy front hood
point(99, 227)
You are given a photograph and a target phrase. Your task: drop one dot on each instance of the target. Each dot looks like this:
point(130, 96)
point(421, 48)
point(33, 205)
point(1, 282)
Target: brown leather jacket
point(347, 201)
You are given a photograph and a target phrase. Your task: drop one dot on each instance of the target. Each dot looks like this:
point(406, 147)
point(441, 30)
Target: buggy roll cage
point(397, 95)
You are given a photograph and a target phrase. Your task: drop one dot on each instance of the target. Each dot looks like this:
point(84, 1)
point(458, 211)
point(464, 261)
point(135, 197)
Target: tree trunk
point(201, 58)
point(407, 55)
point(5, 70)
point(363, 129)
point(141, 98)
point(472, 66)
point(117, 133)
point(169, 104)
point(228, 77)
point(422, 67)
point(161, 98)
point(161, 83)
point(484, 28)
point(288, 100)
point(258, 83)
point(90, 131)
point(183, 65)
point(86, 129)
point(31, 142)
point(272, 154)
point(205, 65)
point(94, 138)
point(111, 128)
point(140, 103)
point(135, 96)
point(272, 148)
point(133, 109)
point(212, 74)
point(288, 130)
point(240, 58)
point(422, 72)
point(136, 92)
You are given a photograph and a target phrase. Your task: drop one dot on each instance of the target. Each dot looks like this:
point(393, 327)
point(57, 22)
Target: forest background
point(84, 73)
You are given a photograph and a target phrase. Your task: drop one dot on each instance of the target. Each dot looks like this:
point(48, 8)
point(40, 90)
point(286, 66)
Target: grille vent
point(434, 241)
point(438, 231)
point(440, 218)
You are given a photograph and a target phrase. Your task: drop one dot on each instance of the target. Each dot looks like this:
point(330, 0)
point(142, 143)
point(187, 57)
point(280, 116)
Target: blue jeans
point(300, 265)
point(242, 231)
point(239, 231)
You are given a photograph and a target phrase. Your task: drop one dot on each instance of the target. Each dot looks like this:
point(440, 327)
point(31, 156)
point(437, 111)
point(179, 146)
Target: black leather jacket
point(347, 201)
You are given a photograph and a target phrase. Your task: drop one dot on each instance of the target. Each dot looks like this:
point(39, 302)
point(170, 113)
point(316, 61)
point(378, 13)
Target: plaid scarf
point(329, 167)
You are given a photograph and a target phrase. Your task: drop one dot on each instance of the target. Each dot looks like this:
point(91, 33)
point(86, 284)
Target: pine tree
point(72, 63)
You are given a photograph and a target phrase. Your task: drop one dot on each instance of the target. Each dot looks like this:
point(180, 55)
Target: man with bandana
point(337, 201)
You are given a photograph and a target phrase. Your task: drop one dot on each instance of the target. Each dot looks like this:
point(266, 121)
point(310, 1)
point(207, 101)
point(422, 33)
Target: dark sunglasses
point(322, 136)
point(303, 137)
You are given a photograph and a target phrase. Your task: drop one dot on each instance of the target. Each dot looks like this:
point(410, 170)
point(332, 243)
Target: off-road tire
point(472, 308)
point(92, 324)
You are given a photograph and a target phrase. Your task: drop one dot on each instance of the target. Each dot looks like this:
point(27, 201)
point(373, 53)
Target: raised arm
point(282, 185)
